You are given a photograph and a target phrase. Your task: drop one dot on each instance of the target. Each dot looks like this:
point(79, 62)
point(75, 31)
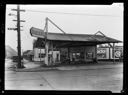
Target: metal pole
point(18, 32)
point(56, 25)
point(46, 27)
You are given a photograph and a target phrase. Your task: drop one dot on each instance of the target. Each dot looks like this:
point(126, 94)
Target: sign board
point(118, 52)
point(12, 28)
point(101, 53)
point(37, 32)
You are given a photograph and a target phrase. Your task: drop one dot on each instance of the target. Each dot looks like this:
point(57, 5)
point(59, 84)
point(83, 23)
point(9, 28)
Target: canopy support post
point(52, 53)
point(113, 52)
point(69, 55)
point(96, 54)
point(46, 43)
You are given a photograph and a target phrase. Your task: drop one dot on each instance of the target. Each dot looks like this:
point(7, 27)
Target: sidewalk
point(34, 67)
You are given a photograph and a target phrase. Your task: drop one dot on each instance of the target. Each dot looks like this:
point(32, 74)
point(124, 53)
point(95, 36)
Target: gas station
point(58, 48)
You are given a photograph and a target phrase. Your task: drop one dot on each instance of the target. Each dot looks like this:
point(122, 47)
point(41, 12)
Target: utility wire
point(84, 14)
point(87, 14)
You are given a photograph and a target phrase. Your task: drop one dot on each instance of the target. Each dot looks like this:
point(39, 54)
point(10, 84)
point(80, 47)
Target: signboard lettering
point(37, 32)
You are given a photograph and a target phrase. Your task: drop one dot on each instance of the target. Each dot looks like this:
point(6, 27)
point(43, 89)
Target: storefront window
point(41, 55)
point(89, 55)
point(77, 56)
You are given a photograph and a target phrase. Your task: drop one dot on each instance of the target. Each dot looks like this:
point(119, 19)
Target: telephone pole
point(20, 65)
point(19, 41)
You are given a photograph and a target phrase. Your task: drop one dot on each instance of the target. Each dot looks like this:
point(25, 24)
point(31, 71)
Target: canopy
point(72, 39)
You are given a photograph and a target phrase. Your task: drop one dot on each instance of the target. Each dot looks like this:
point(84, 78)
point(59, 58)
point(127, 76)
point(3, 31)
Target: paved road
point(84, 79)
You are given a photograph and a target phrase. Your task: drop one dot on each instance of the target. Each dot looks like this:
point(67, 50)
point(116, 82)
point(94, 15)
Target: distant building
point(9, 52)
point(28, 54)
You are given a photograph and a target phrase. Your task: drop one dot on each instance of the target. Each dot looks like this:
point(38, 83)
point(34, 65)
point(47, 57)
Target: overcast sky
point(77, 19)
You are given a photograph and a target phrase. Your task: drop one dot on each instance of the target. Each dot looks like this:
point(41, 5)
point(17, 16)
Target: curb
point(34, 69)
point(85, 69)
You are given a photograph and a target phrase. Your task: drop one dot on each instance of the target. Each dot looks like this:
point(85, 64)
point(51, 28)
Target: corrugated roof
point(76, 37)
point(79, 37)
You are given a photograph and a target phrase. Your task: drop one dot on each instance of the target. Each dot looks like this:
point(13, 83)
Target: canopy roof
point(80, 37)
point(72, 37)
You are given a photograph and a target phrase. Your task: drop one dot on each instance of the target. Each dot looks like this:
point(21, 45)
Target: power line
point(72, 13)
point(82, 14)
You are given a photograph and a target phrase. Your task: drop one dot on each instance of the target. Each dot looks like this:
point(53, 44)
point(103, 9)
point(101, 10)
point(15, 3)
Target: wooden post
point(109, 53)
point(46, 52)
point(46, 44)
point(69, 54)
point(19, 40)
point(52, 52)
point(96, 54)
point(40, 54)
point(113, 52)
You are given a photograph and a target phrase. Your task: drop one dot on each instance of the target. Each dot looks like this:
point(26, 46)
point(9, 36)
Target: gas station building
point(59, 48)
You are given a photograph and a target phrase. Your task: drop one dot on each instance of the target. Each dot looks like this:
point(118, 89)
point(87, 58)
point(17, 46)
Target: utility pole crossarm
point(20, 20)
point(18, 10)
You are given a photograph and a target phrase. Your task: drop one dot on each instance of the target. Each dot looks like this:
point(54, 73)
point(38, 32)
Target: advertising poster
point(118, 52)
point(101, 53)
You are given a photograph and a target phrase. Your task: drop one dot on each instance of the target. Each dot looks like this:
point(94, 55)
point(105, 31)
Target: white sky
point(105, 18)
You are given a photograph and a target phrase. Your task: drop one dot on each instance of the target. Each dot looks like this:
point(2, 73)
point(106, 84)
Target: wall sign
point(118, 52)
point(101, 53)
point(37, 32)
